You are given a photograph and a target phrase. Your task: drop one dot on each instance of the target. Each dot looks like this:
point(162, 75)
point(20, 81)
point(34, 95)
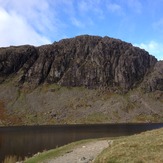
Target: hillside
point(137, 148)
point(86, 79)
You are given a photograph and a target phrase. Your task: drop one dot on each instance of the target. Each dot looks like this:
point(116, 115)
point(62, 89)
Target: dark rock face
point(89, 61)
point(154, 80)
point(13, 59)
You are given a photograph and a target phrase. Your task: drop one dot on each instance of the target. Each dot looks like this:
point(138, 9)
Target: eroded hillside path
point(86, 153)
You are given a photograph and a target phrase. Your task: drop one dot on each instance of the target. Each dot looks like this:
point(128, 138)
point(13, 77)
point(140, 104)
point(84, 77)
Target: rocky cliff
point(89, 61)
point(49, 84)
point(154, 79)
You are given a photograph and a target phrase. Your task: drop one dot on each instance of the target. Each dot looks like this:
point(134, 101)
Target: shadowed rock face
point(89, 61)
point(154, 80)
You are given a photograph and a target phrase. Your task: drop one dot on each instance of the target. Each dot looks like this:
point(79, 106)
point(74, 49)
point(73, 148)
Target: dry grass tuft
point(11, 159)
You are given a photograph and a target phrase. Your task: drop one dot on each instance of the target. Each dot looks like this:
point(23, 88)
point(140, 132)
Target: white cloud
point(14, 30)
point(153, 48)
point(122, 6)
point(35, 12)
point(77, 23)
point(91, 6)
point(83, 6)
point(40, 21)
point(115, 8)
point(28, 22)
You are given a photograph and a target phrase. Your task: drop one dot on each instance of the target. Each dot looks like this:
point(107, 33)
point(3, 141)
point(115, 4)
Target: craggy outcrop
point(89, 61)
point(14, 59)
point(154, 80)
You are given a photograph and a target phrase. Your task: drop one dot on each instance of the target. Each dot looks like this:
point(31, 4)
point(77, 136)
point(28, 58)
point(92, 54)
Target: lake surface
point(27, 140)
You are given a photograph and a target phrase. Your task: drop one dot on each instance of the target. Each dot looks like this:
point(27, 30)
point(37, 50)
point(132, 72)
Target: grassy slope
point(142, 148)
point(53, 104)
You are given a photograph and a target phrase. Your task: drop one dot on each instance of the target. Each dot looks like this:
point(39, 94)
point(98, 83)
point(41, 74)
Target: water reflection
point(26, 141)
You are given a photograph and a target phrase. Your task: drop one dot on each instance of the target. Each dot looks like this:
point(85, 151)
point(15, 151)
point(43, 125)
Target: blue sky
point(38, 22)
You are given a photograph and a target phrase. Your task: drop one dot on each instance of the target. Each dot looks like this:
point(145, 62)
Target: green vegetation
point(56, 152)
point(142, 148)
point(95, 118)
point(148, 118)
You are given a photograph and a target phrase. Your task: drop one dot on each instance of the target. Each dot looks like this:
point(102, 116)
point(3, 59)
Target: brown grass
point(11, 159)
point(6, 118)
point(3, 115)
